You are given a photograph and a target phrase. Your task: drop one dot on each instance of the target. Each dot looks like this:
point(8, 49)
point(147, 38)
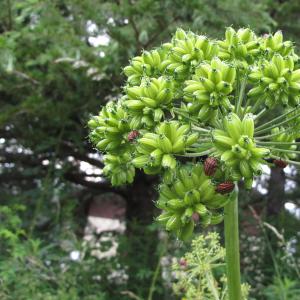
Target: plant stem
point(279, 143)
point(257, 105)
point(246, 105)
point(157, 269)
point(185, 114)
point(284, 150)
point(200, 129)
point(241, 96)
point(276, 267)
point(272, 135)
point(237, 88)
point(232, 247)
point(259, 115)
point(196, 154)
point(211, 284)
point(278, 124)
point(276, 119)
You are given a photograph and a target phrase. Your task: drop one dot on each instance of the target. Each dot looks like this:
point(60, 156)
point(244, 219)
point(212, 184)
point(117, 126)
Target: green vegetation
point(52, 77)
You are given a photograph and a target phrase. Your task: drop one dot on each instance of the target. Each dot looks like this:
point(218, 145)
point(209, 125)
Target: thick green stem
point(232, 247)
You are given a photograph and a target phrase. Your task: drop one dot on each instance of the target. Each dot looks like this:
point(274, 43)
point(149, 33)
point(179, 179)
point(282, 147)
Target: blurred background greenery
point(60, 60)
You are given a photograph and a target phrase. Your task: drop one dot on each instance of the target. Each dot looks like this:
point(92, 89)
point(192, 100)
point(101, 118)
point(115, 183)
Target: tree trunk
point(140, 198)
point(276, 194)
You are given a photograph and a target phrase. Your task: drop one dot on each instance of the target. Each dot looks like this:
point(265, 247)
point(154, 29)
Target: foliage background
point(53, 74)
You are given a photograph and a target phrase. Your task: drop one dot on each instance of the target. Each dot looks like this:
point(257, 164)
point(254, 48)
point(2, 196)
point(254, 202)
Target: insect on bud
point(225, 187)
point(195, 217)
point(133, 135)
point(210, 166)
point(280, 163)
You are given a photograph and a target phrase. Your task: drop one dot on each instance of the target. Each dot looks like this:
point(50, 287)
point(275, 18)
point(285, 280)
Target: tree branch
point(136, 34)
point(70, 149)
point(159, 32)
point(78, 178)
point(25, 76)
point(27, 159)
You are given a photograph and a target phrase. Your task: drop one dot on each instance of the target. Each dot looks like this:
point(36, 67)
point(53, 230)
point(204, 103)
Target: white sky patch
point(289, 185)
point(15, 148)
point(95, 155)
point(96, 38)
point(93, 174)
point(261, 182)
point(94, 179)
point(9, 165)
point(293, 209)
point(263, 190)
point(266, 170)
point(92, 170)
point(89, 169)
point(99, 40)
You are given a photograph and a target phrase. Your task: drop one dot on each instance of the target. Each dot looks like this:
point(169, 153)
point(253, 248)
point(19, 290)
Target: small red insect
point(210, 166)
point(225, 187)
point(280, 163)
point(132, 135)
point(195, 217)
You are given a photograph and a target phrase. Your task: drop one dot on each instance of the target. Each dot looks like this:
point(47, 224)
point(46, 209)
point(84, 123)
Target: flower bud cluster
point(149, 64)
point(210, 88)
point(233, 101)
point(236, 148)
point(156, 150)
point(271, 44)
point(186, 51)
point(109, 129)
point(244, 48)
point(276, 81)
point(119, 168)
point(146, 103)
point(241, 46)
point(189, 200)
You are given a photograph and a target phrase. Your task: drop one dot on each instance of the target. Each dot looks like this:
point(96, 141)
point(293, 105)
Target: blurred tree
point(286, 14)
